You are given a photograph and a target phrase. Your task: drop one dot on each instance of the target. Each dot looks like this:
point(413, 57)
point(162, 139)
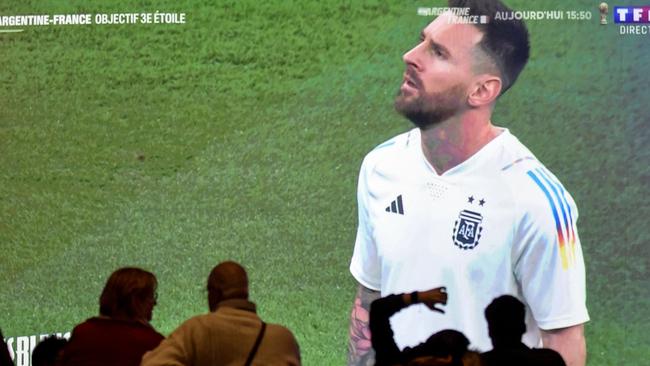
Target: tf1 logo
point(632, 14)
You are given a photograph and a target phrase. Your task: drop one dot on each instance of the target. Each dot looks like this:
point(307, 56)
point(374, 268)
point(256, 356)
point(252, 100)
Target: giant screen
point(172, 135)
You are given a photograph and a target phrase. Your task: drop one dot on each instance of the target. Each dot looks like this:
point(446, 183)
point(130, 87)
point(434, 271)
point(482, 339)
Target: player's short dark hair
point(505, 42)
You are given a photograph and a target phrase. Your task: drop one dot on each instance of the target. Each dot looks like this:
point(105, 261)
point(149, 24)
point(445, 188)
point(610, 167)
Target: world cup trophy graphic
point(603, 7)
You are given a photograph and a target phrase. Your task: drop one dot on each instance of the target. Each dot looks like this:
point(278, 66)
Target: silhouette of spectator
point(121, 334)
point(230, 334)
point(5, 356)
point(506, 324)
point(446, 347)
point(48, 351)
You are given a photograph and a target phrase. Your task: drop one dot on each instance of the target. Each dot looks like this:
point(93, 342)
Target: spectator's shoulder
point(279, 329)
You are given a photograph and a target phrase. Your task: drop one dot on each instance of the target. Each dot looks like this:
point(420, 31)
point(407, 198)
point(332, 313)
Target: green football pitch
point(239, 135)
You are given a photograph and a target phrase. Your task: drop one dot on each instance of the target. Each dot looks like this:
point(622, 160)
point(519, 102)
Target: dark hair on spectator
point(125, 291)
point(447, 342)
point(506, 317)
point(48, 350)
point(505, 41)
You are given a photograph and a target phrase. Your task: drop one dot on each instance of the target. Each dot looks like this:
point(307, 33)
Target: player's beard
point(426, 110)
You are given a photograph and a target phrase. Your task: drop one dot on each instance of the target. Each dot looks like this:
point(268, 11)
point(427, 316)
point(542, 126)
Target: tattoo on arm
point(360, 352)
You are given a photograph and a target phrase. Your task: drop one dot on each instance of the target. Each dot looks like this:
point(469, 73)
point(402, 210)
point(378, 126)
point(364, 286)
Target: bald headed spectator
point(230, 334)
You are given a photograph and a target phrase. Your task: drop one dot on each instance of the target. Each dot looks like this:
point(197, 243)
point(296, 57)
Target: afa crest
point(467, 229)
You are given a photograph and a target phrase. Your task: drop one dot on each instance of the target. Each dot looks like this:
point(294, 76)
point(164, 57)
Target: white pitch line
point(11, 30)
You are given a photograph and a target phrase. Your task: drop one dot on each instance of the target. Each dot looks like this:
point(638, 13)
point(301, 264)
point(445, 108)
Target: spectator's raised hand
point(432, 297)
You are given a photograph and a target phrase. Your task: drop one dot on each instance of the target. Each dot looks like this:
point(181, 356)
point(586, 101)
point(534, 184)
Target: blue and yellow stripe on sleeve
point(561, 210)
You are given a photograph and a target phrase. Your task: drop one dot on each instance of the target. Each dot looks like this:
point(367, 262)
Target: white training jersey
point(498, 223)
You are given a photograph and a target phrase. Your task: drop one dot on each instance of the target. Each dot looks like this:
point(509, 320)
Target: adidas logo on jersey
point(396, 206)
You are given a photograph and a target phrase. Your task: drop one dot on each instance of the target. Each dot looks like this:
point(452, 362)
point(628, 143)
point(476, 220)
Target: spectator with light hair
point(121, 334)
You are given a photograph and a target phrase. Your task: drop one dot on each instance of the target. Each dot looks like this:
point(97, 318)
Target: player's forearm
point(360, 351)
point(568, 342)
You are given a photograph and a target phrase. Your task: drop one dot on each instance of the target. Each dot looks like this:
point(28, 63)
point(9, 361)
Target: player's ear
point(484, 91)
